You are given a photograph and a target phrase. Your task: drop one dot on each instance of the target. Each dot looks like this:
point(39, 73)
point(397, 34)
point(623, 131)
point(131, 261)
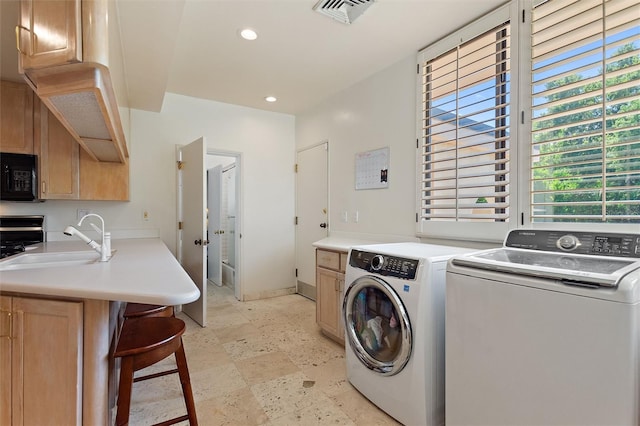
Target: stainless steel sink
point(48, 260)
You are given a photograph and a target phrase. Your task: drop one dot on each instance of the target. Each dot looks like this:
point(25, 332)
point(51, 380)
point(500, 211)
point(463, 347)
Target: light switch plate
point(82, 213)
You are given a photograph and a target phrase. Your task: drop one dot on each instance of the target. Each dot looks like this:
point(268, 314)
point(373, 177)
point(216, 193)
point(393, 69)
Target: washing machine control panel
point(589, 243)
point(382, 264)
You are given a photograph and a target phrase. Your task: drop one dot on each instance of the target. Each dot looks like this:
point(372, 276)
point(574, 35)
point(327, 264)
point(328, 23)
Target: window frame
point(519, 13)
point(524, 190)
point(474, 231)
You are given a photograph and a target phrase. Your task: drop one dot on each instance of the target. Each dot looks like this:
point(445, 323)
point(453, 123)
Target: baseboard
point(268, 294)
point(307, 290)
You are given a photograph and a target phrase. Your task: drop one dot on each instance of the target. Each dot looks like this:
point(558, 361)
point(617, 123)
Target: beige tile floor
point(262, 362)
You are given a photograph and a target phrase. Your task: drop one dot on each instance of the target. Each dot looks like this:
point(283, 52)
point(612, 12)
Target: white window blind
point(465, 107)
point(585, 111)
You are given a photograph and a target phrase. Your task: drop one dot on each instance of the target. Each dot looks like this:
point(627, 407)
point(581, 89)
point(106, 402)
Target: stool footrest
point(154, 375)
point(173, 421)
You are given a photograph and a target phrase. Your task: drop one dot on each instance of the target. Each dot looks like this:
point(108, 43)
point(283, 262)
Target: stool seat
point(142, 343)
point(137, 310)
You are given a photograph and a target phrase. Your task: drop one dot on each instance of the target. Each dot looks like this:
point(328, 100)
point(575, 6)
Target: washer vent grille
point(345, 11)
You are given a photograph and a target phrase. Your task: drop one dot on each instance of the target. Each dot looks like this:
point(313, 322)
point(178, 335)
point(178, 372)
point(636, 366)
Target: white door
point(214, 225)
point(194, 228)
point(311, 210)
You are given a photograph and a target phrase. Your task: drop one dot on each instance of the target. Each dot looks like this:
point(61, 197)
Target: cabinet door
point(59, 158)
point(102, 180)
point(327, 294)
point(46, 362)
point(5, 360)
point(49, 33)
point(16, 118)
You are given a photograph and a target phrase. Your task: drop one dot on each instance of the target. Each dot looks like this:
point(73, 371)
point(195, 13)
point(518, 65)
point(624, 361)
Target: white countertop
point(140, 271)
point(341, 243)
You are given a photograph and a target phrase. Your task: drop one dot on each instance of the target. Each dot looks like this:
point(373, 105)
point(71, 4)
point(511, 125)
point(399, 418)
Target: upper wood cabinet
point(50, 33)
point(65, 55)
point(59, 158)
point(68, 172)
point(16, 118)
point(101, 180)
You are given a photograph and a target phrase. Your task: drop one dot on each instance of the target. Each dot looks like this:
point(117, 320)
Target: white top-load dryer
point(545, 331)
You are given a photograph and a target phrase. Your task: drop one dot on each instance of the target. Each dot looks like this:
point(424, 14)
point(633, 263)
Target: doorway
point(223, 195)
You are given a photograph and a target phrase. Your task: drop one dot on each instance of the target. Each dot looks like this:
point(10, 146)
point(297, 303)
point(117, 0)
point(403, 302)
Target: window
point(465, 131)
point(569, 71)
point(585, 111)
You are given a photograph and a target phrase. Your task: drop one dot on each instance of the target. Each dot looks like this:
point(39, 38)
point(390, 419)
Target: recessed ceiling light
point(248, 34)
point(270, 99)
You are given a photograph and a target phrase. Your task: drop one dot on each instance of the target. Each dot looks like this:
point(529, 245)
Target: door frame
point(238, 250)
point(214, 220)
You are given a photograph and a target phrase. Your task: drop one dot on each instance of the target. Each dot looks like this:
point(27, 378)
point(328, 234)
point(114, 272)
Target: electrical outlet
point(356, 216)
point(145, 215)
point(345, 216)
point(82, 213)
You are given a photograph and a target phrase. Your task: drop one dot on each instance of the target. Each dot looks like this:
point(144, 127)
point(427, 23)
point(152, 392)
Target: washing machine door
point(377, 325)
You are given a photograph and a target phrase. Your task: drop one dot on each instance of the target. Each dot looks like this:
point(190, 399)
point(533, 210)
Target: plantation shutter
point(585, 111)
point(464, 170)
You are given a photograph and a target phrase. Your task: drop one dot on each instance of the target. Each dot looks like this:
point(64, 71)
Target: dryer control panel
point(385, 265)
point(589, 243)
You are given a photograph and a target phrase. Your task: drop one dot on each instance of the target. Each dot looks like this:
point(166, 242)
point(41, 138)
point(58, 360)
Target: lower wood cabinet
point(41, 361)
point(55, 358)
point(330, 268)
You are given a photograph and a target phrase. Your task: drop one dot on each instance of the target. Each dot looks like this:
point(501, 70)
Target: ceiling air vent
point(345, 11)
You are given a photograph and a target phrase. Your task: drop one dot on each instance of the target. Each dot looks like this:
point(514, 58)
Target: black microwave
point(19, 177)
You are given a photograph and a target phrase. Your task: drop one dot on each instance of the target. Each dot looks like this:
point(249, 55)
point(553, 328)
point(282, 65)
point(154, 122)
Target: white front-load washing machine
point(393, 313)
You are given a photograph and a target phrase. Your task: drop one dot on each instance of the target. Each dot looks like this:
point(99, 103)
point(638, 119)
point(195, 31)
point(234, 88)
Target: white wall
point(375, 113)
point(266, 141)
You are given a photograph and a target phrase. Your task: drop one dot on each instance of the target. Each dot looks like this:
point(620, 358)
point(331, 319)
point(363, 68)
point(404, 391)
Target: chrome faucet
point(105, 248)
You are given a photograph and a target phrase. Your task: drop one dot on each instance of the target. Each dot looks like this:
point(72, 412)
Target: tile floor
point(262, 362)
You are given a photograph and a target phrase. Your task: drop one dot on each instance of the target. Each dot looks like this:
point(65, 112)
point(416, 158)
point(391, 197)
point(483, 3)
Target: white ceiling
point(192, 47)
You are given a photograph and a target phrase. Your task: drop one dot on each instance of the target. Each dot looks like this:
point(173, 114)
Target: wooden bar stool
point(144, 342)
point(142, 310)
point(139, 310)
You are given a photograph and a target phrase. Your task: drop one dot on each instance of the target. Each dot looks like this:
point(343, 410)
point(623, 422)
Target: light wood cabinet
point(330, 268)
point(50, 33)
point(59, 161)
point(65, 53)
point(16, 118)
point(102, 180)
point(68, 172)
point(41, 358)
